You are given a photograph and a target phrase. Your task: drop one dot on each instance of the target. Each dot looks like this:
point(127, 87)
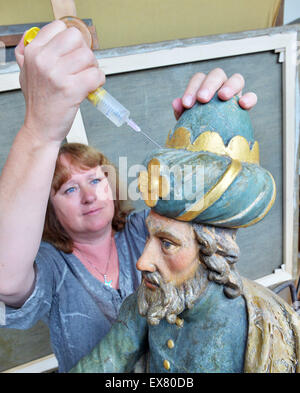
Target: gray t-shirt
point(78, 308)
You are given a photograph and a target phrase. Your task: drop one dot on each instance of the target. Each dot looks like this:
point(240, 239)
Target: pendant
point(108, 283)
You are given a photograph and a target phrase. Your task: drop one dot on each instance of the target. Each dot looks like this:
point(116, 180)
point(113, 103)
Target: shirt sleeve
point(122, 347)
point(37, 306)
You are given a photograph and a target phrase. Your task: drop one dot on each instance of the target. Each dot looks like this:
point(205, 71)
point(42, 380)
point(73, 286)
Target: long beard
point(168, 301)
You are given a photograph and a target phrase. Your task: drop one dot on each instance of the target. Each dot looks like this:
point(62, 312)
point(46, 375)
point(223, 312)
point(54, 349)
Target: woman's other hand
point(202, 88)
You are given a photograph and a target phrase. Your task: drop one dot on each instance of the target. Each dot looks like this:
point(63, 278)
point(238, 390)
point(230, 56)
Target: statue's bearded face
point(173, 277)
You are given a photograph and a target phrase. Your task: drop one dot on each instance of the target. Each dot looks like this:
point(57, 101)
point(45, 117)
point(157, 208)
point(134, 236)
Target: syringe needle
point(151, 140)
point(136, 128)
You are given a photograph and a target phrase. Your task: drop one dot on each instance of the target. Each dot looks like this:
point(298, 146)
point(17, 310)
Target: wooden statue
point(193, 312)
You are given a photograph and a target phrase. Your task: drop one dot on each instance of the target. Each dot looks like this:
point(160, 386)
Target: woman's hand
point(58, 70)
point(203, 87)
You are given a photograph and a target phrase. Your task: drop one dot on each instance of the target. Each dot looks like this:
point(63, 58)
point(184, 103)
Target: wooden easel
point(10, 35)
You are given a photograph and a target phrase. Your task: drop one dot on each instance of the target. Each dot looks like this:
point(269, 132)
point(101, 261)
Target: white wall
point(291, 10)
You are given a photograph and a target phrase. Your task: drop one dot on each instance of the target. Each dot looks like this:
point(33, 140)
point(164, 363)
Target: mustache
point(154, 278)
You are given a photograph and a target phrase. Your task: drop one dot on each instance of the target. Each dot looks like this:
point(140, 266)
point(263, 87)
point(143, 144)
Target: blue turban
point(209, 172)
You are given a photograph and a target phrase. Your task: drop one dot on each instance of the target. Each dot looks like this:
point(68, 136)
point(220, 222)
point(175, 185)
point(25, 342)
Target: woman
point(77, 279)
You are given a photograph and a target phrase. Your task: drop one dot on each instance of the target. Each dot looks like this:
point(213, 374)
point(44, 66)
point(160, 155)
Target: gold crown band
point(238, 147)
point(214, 194)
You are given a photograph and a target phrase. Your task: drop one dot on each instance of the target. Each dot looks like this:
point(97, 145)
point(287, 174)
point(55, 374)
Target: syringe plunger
point(111, 108)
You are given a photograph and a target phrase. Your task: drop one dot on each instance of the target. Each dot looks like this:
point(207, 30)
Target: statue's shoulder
point(273, 331)
point(261, 296)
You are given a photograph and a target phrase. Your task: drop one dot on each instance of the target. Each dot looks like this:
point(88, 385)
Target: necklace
point(107, 281)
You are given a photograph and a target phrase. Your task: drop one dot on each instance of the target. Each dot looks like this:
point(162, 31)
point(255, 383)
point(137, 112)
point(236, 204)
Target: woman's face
point(84, 203)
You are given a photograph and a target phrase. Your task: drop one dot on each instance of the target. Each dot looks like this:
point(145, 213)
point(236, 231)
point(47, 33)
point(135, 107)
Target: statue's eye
point(167, 245)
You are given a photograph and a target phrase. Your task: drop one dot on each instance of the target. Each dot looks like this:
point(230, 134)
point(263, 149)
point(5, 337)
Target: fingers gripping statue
point(193, 312)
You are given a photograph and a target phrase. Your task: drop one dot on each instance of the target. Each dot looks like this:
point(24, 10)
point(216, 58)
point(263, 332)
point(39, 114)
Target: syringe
point(114, 111)
point(102, 100)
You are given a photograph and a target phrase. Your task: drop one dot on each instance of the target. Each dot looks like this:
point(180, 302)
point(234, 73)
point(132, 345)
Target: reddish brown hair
point(83, 157)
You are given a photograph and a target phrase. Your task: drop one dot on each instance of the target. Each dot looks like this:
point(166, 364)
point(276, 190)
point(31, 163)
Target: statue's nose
point(146, 260)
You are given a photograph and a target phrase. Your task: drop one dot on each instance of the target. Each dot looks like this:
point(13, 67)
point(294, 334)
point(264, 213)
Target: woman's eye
point(70, 190)
point(96, 181)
